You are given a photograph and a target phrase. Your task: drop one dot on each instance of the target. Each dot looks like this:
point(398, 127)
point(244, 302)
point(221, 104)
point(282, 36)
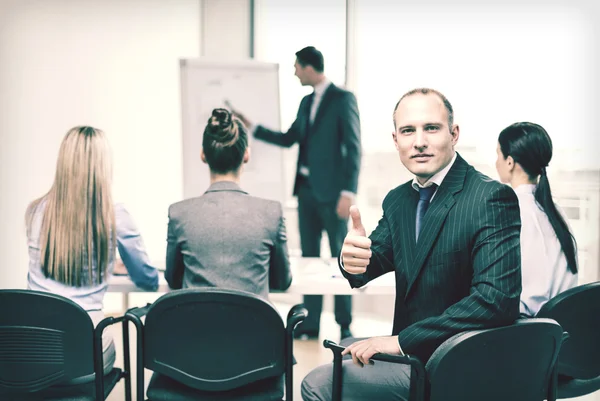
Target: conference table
point(310, 276)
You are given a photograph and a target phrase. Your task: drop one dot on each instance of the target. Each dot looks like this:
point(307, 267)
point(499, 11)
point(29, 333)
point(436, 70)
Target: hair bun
point(220, 118)
point(221, 127)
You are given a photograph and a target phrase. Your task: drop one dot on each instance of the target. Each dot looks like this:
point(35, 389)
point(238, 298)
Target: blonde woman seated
point(548, 248)
point(74, 229)
point(227, 238)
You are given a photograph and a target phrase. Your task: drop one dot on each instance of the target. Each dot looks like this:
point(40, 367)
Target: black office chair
point(46, 341)
point(216, 344)
point(507, 363)
point(578, 312)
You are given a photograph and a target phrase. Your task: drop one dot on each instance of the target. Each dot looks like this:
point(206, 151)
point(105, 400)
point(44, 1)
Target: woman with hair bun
point(548, 248)
point(227, 238)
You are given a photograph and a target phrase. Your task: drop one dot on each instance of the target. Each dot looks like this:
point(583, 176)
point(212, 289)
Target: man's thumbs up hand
point(356, 251)
point(357, 226)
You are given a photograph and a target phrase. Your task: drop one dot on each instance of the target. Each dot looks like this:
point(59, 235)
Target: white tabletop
point(309, 276)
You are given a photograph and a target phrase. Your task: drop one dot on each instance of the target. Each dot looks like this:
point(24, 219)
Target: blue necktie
point(425, 195)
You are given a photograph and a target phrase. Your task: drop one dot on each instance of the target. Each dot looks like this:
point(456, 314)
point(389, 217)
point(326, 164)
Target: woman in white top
point(548, 248)
point(74, 229)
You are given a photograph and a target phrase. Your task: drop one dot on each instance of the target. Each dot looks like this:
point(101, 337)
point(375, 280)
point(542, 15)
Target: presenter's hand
point(363, 350)
point(343, 206)
point(356, 250)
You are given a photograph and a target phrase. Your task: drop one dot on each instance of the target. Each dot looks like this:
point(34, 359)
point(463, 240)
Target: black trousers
point(314, 218)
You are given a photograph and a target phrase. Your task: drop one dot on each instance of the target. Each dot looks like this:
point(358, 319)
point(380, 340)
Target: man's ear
point(455, 132)
point(394, 136)
point(203, 156)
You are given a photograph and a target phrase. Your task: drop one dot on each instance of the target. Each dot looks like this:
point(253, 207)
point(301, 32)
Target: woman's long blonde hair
point(77, 235)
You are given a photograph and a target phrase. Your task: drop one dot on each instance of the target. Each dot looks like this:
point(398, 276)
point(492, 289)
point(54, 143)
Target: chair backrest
point(213, 339)
point(578, 312)
point(45, 339)
point(506, 363)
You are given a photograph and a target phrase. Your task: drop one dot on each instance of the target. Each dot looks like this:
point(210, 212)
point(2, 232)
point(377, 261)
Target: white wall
point(225, 27)
point(498, 62)
point(107, 63)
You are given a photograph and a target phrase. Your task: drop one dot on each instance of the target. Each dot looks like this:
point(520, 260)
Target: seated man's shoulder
point(397, 193)
point(480, 186)
point(487, 185)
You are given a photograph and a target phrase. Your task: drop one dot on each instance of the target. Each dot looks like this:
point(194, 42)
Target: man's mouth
point(421, 157)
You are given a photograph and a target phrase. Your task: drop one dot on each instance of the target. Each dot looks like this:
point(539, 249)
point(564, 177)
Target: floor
point(309, 354)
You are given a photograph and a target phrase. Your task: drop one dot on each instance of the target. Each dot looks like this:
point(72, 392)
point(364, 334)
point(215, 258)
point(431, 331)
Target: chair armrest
point(104, 323)
point(99, 330)
point(296, 315)
point(138, 312)
point(417, 371)
point(98, 353)
point(134, 315)
point(400, 359)
point(556, 368)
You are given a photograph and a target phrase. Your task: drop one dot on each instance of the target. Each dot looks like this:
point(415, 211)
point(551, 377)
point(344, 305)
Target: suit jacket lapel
point(325, 102)
point(435, 217)
point(304, 115)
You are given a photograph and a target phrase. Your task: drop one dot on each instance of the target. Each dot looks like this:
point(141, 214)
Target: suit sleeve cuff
point(341, 264)
point(399, 346)
point(347, 193)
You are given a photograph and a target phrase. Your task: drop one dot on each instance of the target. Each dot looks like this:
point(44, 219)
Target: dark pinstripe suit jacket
point(464, 273)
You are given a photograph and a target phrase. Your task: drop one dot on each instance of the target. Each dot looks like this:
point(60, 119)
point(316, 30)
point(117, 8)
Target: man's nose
point(420, 140)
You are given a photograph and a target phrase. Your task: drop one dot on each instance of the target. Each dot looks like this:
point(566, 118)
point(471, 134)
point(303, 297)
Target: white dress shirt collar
point(525, 189)
point(321, 87)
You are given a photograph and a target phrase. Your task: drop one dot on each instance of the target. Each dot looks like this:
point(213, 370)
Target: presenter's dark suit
point(330, 149)
point(463, 273)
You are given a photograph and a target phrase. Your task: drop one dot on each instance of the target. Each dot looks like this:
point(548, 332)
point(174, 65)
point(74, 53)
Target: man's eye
point(431, 128)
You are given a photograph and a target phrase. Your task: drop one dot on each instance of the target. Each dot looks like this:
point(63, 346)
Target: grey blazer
point(227, 239)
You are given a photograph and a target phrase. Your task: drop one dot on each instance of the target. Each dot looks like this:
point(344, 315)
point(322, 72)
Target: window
point(497, 65)
point(283, 28)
